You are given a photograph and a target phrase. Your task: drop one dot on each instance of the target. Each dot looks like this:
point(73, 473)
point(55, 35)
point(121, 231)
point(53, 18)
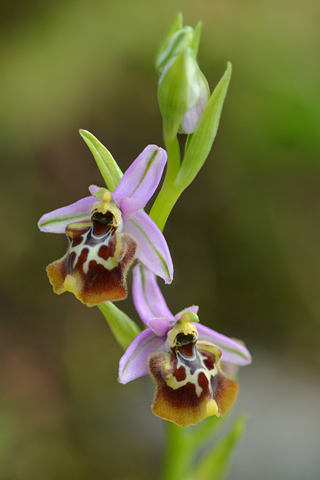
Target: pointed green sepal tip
point(200, 143)
point(107, 165)
point(176, 24)
point(179, 41)
point(196, 38)
point(178, 20)
point(174, 27)
point(123, 328)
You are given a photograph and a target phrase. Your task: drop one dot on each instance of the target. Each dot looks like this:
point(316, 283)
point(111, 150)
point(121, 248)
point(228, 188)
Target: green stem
point(178, 459)
point(169, 194)
point(174, 157)
point(164, 204)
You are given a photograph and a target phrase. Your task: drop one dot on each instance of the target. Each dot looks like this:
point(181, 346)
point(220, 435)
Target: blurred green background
point(245, 237)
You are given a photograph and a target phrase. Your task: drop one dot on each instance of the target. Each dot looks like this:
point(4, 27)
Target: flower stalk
point(177, 459)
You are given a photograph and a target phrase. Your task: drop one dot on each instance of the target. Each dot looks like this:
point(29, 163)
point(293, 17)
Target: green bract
point(215, 463)
point(199, 145)
point(123, 328)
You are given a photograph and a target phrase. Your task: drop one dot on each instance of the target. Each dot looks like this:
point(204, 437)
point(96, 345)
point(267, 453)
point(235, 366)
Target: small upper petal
point(232, 350)
point(147, 297)
point(134, 362)
point(153, 250)
point(94, 189)
point(129, 206)
point(57, 220)
point(143, 176)
point(160, 326)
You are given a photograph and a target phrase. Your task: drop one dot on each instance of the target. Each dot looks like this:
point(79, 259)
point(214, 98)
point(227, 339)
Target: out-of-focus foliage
point(215, 463)
point(244, 237)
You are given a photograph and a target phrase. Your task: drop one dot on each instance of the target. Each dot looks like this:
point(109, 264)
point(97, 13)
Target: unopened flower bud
point(183, 91)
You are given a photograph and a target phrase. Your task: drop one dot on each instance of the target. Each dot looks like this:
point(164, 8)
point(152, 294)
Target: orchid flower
point(106, 231)
point(183, 359)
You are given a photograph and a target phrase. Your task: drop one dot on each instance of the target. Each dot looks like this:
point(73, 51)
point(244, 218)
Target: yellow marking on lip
point(211, 408)
point(70, 284)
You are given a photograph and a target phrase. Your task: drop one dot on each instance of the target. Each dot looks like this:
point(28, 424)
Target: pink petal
point(129, 206)
point(160, 326)
point(134, 363)
point(232, 351)
point(147, 296)
point(143, 176)
point(57, 220)
point(153, 250)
